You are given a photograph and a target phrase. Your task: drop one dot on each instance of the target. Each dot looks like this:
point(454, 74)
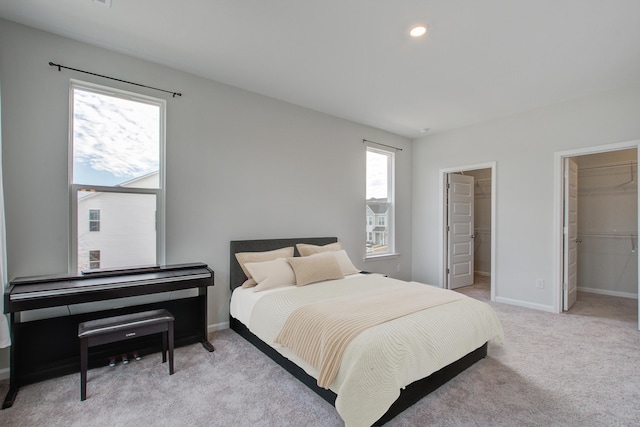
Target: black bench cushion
point(126, 321)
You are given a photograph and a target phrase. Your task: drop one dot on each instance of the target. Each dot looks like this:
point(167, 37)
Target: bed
point(372, 400)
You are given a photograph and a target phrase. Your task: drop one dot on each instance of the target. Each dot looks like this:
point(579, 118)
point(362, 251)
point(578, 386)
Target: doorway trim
point(558, 203)
point(443, 219)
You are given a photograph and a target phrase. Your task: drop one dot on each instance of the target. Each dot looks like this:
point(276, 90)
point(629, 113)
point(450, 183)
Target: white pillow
point(271, 274)
point(345, 263)
point(246, 257)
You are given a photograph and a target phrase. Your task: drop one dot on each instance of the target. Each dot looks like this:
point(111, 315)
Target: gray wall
point(523, 147)
point(239, 165)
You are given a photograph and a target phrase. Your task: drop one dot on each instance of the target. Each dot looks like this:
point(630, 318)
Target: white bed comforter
point(387, 357)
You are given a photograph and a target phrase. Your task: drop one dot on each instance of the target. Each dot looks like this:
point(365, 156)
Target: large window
point(380, 203)
point(116, 178)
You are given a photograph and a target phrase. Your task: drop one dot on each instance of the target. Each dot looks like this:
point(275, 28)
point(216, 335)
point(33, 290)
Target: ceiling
point(354, 59)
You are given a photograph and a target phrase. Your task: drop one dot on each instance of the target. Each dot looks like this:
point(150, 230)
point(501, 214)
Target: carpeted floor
point(575, 369)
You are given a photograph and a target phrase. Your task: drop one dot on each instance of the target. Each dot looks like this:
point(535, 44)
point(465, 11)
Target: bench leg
point(83, 368)
point(164, 346)
point(170, 333)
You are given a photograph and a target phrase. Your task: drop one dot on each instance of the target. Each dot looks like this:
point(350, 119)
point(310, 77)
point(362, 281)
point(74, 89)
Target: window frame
point(75, 188)
point(391, 179)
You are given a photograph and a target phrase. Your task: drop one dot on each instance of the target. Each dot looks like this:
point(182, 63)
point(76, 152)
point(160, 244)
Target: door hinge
point(447, 271)
point(565, 286)
point(448, 228)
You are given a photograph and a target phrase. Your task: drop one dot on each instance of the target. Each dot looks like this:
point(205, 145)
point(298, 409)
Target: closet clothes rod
point(632, 237)
point(621, 235)
point(60, 67)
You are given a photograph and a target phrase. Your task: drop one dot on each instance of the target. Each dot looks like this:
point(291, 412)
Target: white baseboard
point(526, 304)
point(217, 327)
point(607, 292)
point(482, 273)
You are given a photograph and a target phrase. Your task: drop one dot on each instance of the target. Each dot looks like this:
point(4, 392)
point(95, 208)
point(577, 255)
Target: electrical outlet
point(398, 268)
point(540, 283)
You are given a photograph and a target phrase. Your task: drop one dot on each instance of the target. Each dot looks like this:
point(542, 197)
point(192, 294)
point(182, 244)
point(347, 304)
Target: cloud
point(376, 175)
point(114, 135)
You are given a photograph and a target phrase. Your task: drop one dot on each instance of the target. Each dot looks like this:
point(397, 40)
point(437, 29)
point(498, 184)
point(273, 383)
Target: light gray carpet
point(576, 369)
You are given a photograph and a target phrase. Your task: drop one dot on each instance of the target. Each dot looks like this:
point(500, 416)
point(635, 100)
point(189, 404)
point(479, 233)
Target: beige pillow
point(245, 257)
point(316, 268)
point(305, 249)
point(345, 263)
point(271, 274)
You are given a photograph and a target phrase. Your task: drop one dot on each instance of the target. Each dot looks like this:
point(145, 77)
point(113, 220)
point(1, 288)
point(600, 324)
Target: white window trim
point(380, 257)
point(74, 188)
point(391, 182)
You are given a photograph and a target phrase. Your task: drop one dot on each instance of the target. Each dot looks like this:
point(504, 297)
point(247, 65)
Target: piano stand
point(10, 397)
point(207, 346)
point(48, 348)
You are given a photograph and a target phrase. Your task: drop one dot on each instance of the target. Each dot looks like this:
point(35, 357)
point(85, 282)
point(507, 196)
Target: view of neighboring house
point(117, 229)
point(377, 225)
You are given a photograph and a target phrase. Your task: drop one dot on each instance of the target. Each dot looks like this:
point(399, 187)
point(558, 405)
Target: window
point(116, 178)
point(94, 219)
point(94, 259)
point(380, 203)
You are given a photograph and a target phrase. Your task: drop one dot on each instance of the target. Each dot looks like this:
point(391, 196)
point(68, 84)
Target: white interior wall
point(239, 165)
point(523, 147)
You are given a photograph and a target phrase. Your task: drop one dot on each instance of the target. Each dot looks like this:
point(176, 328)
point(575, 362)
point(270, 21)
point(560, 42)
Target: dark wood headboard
point(236, 275)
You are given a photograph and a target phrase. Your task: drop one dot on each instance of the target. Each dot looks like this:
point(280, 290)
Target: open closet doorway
point(599, 241)
point(468, 228)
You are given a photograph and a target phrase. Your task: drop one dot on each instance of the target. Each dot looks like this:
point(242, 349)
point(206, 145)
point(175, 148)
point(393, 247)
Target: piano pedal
point(112, 361)
point(136, 355)
point(125, 359)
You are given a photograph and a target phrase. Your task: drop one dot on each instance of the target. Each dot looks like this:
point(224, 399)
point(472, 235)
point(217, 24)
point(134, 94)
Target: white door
point(570, 280)
point(460, 230)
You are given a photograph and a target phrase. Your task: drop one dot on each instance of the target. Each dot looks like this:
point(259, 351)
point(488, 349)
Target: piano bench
point(118, 328)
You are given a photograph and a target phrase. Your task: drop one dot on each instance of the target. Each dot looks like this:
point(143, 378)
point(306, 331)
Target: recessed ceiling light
point(424, 130)
point(418, 31)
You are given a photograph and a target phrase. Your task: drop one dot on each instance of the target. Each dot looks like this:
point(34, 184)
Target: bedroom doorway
point(468, 228)
point(597, 217)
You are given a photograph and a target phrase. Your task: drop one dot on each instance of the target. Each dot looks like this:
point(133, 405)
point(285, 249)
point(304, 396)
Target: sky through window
point(115, 140)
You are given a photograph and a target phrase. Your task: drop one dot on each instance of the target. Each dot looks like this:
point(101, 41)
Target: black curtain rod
point(384, 145)
point(113, 78)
